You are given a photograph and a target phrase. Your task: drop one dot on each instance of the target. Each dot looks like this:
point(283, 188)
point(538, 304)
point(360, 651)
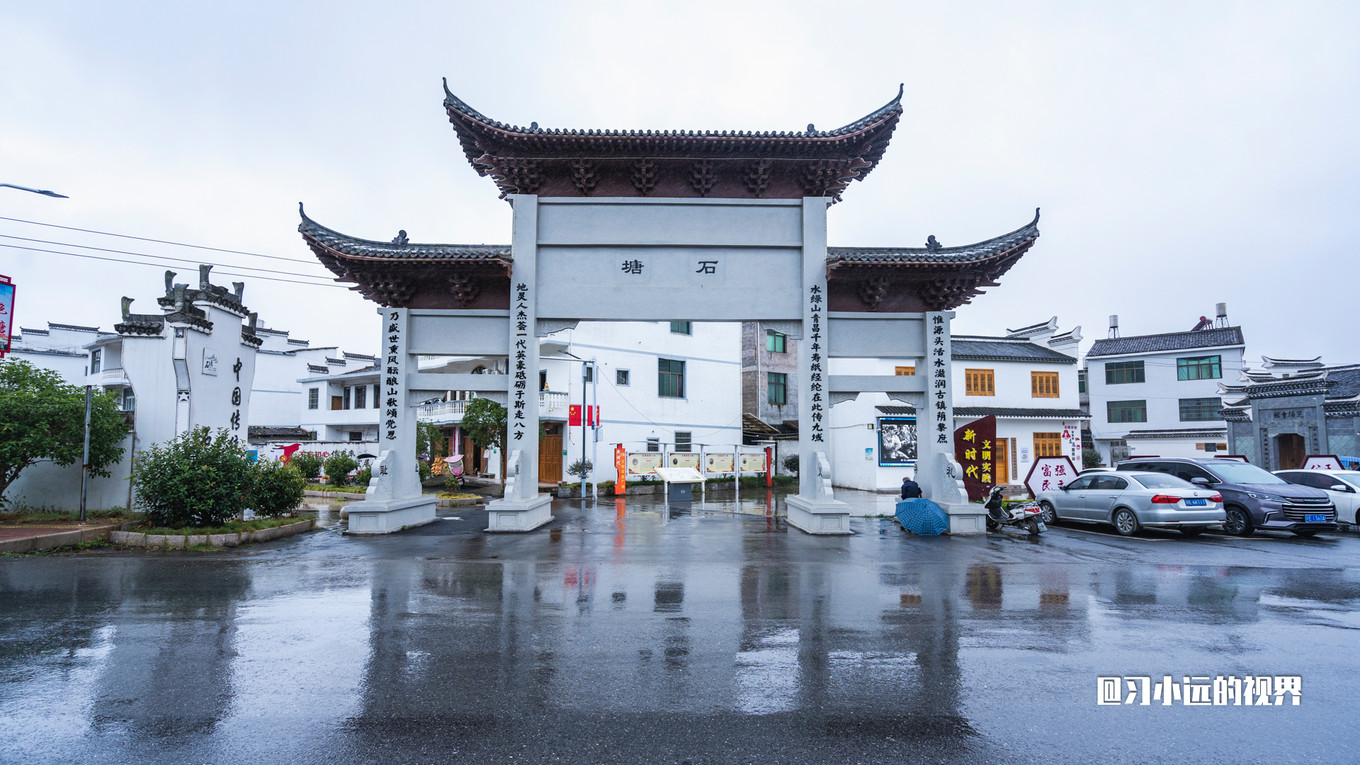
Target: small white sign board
point(1050, 473)
point(1322, 462)
point(679, 475)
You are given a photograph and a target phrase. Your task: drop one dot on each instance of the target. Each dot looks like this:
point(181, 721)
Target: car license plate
point(1042, 526)
point(1194, 503)
point(1314, 519)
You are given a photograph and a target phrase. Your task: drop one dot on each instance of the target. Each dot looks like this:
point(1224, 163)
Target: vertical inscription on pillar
point(939, 400)
point(521, 380)
point(816, 304)
point(393, 372)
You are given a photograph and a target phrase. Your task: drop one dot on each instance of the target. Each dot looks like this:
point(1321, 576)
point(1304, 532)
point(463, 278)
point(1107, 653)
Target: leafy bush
point(307, 463)
point(275, 488)
point(365, 475)
point(791, 463)
point(338, 466)
point(1090, 458)
point(580, 469)
point(424, 469)
point(194, 479)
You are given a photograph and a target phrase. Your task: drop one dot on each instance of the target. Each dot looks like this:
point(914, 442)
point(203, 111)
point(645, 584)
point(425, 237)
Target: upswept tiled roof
point(1170, 341)
point(1001, 349)
point(266, 431)
point(723, 164)
point(1007, 412)
point(929, 256)
point(1345, 383)
point(1179, 433)
point(327, 243)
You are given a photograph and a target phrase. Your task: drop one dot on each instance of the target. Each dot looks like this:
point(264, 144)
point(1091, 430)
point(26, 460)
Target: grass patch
point(455, 495)
point(28, 516)
point(339, 489)
point(230, 528)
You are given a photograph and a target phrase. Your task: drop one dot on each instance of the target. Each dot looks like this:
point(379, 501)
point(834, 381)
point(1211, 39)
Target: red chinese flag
point(574, 416)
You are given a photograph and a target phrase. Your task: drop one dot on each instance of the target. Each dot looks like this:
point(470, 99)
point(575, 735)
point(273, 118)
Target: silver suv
point(1252, 498)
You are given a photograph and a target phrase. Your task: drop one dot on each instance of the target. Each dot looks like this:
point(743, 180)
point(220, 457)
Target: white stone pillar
point(940, 476)
point(522, 508)
point(814, 509)
point(394, 500)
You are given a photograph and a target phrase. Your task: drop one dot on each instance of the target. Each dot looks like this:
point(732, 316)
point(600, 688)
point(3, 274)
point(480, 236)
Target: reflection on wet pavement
point(635, 631)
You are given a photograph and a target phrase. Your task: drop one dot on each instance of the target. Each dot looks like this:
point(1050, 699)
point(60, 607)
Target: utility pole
point(585, 417)
point(85, 461)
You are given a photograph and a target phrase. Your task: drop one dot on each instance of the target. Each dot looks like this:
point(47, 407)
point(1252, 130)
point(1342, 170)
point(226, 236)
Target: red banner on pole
point(973, 451)
point(6, 314)
point(574, 415)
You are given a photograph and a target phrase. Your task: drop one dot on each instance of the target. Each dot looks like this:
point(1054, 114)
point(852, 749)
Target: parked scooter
point(1021, 516)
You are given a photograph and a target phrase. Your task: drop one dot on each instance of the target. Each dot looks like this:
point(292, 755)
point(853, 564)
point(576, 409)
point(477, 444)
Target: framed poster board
point(896, 441)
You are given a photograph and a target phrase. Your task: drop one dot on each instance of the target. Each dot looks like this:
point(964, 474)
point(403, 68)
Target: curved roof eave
point(454, 104)
point(966, 254)
point(353, 248)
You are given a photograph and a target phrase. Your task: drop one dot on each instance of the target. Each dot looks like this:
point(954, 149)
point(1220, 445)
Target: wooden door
point(1002, 469)
point(550, 458)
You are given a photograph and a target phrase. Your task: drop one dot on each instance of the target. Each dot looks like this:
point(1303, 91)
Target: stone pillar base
point(388, 515)
point(513, 514)
point(966, 519)
point(822, 517)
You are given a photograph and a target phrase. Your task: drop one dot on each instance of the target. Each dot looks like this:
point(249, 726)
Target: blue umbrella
point(921, 516)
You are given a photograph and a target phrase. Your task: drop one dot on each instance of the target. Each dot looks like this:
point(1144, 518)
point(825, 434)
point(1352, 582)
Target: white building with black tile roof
point(1158, 395)
point(1292, 408)
point(1026, 378)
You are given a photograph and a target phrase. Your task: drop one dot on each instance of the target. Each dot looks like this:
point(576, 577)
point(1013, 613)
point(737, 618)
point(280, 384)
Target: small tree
point(275, 488)
point(43, 418)
point(194, 479)
point(580, 469)
point(307, 463)
point(338, 466)
point(1090, 458)
point(791, 464)
point(484, 421)
point(431, 441)
point(364, 476)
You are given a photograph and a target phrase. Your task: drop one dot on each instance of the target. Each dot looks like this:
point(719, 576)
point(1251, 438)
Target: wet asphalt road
point(625, 633)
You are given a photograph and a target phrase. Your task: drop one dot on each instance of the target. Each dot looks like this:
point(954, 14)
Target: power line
point(148, 255)
point(157, 241)
point(154, 265)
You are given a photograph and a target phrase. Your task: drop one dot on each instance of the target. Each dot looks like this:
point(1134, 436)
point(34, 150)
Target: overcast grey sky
point(1184, 153)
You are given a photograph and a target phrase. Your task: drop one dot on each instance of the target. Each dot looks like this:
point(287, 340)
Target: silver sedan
point(1131, 500)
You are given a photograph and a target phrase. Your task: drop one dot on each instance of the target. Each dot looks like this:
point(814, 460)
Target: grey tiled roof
point(1170, 341)
point(457, 104)
point(999, 411)
point(1180, 433)
point(965, 254)
point(1345, 383)
point(1000, 349)
point(406, 251)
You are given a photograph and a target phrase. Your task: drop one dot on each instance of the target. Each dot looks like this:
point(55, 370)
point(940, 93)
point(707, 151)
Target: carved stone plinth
point(966, 518)
point(515, 514)
point(818, 517)
point(386, 516)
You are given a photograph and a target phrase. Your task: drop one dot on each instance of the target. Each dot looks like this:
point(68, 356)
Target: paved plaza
point(632, 632)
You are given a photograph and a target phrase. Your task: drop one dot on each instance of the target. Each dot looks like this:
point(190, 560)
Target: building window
point(542, 379)
point(356, 435)
point(670, 378)
point(360, 396)
point(653, 444)
point(774, 341)
point(313, 398)
point(1200, 409)
point(588, 373)
point(347, 389)
point(129, 401)
point(1122, 372)
point(1047, 444)
point(777, 385)
point(375, 396)
point(978, 382)
point(1210, 447)
point(1200, 368)
point(681, 328)
point(1127, 411)
point(95, 357)
point(683, 441)
point(1043, 384)
point(620, 376)
point(904, 371)
point(1081, 381)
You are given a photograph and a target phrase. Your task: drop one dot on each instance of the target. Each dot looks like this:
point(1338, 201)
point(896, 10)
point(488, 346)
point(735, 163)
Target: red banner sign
point(973, 451)
point(6, 314)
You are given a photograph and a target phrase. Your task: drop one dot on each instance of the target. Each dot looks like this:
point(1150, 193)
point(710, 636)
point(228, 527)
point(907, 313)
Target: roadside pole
point(85, 460)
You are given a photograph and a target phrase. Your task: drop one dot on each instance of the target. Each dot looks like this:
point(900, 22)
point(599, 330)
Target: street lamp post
point(44, 192)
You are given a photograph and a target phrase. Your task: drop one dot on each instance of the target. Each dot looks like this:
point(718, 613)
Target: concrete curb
point(63, 538)
point(181, 541)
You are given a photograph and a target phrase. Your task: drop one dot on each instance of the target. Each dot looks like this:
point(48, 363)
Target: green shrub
point(307, 463)
point(338, 466)
point(365, 475)
point(194, 479)
point(275, 488)
point(425, 470)
point(580, 469)
point(791, 464)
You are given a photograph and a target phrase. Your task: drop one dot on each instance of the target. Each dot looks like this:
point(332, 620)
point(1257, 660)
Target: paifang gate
point(665, 226)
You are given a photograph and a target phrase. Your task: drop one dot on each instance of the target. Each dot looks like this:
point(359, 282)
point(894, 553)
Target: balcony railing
point(550, 403)
point(111, 377)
